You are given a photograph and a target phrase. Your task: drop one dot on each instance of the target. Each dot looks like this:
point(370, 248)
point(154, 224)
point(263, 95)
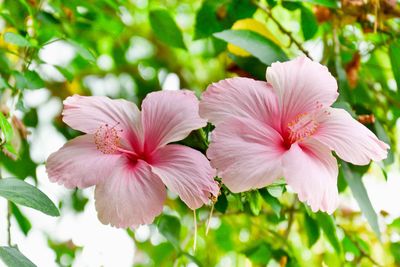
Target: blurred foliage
point(126, 49)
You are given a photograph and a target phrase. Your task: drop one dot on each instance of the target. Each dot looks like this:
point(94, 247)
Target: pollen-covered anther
point(304, 125)
point(107, 139)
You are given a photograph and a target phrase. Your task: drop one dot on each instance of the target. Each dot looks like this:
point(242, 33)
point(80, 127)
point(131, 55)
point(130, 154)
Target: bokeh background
point(50, 49)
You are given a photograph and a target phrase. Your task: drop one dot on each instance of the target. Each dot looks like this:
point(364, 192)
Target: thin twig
point(53, 41)
point(362, 251)
point(267, 231)
point(29, 58)
point(283, 30)
point(9, 223)
point(341, 74)
point(290, 222)
point(8, 218)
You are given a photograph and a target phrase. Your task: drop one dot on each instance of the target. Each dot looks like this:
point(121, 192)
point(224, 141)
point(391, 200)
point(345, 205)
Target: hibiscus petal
point(352, 141)
point(239, 97)
point(311, 171)
point(246, 153)
point(79, 164)
point(169, 116)
point(302, 85)
point(88, 113)
point(185, 172)
point(131, 196)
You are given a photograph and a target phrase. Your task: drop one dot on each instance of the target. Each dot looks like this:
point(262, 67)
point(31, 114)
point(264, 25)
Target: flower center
point(107, 139)
point(304, 125)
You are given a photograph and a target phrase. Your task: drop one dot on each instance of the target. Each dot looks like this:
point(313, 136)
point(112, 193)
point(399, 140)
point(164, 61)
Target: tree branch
point(283, 30)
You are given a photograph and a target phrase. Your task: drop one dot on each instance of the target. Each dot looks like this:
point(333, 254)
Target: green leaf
point(170, 227)
point(17, 39)
point(224, 237)
point(13, 258)
point(20, 82)
point(31, 118)
point(215, 16)
point(327, 3)
point(207, 21)
point(24, 166)
point(33, 80)
point(222, 203)
point(257, 45)
point(9, 147)
point(3, 83)
point(272, 3)
point(9, 18)
point(394, 54)
point(342, 184)
point(166, 29)
point(78, 200)
point(272, 201)
point(349, 246)
point(66, 73)
point(396, 224)
point(360, 194)
point(259, 254)
point(382, 135)
point(309, 24)
point(28, 80)
point(291, 5)
point(83, 51)
point(312, 229)
point(6, 127)
point(395, 249)
point(64, 249)
point(254, 200)
point(249, 64)
point(276, 188)
point(86, 54)
point(22, 193)
point(327, 224)
point(23, 223)
point(362, 244)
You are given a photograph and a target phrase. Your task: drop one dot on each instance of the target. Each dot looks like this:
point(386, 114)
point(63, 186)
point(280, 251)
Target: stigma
point(107, 139)
point(303, 126)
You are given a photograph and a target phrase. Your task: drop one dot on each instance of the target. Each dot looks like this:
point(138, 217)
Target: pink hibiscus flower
point(285, 128)
point(125, 154)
